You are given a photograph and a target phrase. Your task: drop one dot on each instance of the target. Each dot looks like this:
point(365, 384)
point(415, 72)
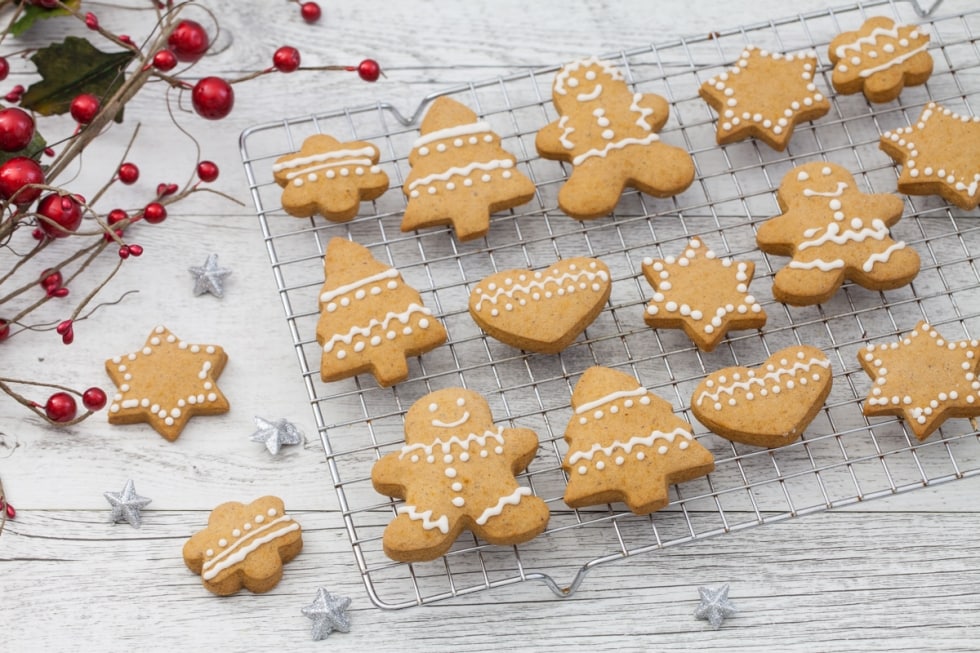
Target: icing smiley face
point(448, 412)
point(461, 404)
point(585, 81)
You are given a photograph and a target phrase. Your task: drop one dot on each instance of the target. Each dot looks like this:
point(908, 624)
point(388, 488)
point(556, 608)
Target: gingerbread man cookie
point(834, 232)
point(765, 95)
point(939, 154)
point(880, 59)
point(370, 319)
point(923, 378)
point(609, 135)
point(625, 444)
point(330, 178)
point(460, 173)
point(166, 383)
point(702, 294)
point(456, 472)
point(244, 546)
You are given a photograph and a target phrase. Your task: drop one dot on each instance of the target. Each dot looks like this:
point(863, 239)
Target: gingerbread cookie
point(460, 173)
point(244, 546)
point(939, 155)
point(330, 178)
point(923, 378)
point(834, 232)
point(609, 135)
point(702, 294)
point(457, 472)
point(166, 383)
point(625, 444)
point(880, 59)
point(370, 319)
point(765, 95)
point(542, 311)
point(769, 405)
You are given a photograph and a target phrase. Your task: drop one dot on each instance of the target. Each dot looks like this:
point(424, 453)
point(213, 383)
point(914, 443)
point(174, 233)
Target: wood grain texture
point(897, 574)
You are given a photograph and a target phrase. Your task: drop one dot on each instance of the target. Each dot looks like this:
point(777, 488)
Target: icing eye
point(460, 402)
point(433, 407)
point(826, 171)
point(573, 82)
point(590, 75)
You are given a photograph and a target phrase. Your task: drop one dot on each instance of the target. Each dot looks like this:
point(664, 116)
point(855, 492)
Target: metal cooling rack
point(842, 459)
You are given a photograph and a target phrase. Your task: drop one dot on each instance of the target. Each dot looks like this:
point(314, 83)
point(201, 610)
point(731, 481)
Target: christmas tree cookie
point(457, 472)
point(923, 378)
point(834, 232)
point(330, 178)
point(460, 173)
point(625, 444)
point(370, 319)
point(609, 135)
point(702, 294)
point(765, 95)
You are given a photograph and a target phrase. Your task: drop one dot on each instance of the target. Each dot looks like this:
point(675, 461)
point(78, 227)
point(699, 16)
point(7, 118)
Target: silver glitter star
point(276, 434)
point(329, 613)
point(126, 505)
point(209, 277)
point(715, 606)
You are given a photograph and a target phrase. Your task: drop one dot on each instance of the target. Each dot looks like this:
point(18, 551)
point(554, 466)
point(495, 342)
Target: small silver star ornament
point(328, 613)
point(126, 505)
point(715, 606)
point(209, 278)
point(274, 435)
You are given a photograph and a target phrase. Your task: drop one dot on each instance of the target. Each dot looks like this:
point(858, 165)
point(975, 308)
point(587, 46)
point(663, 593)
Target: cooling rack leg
point(925, 12)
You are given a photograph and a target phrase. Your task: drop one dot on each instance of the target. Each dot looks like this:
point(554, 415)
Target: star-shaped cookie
point(702, 294)
point(940, 154)
point(923, 378)
point(765, 95)
point(166, 383)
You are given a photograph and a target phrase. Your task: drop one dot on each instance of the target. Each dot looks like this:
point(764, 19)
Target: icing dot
point(259, 519)
point(451, 472)
point(222, 542)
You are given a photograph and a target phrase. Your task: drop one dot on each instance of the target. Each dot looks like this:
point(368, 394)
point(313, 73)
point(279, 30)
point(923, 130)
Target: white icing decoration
point(643, 111)
point(462, 171)
point(445, 446)
point(299, 161)
point(588, 97)
point(882, 257)
point(833, 233)
point(495, 510)
point(628, 445)
point(539, 282)
point(452, 132)
point(448, 425)
point(442, 523)
point(841, 186)
point(403, 317)
point(329, 295)
point(237, 552)
point(826, 266)
point(562, 78)
point(773, 375)
point(614, 145)
point(566, 132)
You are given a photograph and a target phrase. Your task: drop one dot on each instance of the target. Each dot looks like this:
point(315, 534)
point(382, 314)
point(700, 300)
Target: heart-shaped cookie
point(769, 405)
point(544, 310)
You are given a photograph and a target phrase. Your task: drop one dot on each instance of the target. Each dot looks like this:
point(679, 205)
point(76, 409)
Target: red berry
point(61, 407)
point(154, 213)
point(207, 171)
point(136, 250)
point(51, 281)
point(286, 59)
point(166, 189)
point(16, 129)
point(91, 21)
point(124, 252)
point(64, 213)
point(94, 398)
point(115, 216)
point(84, 108)
point(66, 331)
point(189, 41)
point(17, 173)
point(15, 94)
point(164, 60)
point(213, 98)
point(128, 173)
point(4, 329)
point(310, 11)
point(369, 70)
point(4, 68)
point(9, 510)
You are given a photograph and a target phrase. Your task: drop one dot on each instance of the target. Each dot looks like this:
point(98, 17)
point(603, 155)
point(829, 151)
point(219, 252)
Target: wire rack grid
point(843, 457)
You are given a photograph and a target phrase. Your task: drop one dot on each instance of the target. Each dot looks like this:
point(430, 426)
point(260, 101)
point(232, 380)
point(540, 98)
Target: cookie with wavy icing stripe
point(244, 546)
point(880, 59)
point(625, 444)
point(769, 405)
point(456, 472)
point(610, 136)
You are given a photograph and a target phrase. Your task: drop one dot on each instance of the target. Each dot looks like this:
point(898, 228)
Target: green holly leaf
point(72, 67)
point(32, 13)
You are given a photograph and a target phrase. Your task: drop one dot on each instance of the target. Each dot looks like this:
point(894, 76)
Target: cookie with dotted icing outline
point(166, 383)
point(923, 378)
point(625, 444)
point(370, 319)
point(244, 546)
point(765, 95)
point(460, 173)
point(702, 294)
point(330, 178)
point(545, 310)
point(456, 472)
point(880, 59)
point(834, 232)
point(609, 135)
point(939, 156)
point(769, 405)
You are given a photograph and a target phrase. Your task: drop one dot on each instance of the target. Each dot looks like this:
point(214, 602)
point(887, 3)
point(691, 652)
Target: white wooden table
point(894, 574)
